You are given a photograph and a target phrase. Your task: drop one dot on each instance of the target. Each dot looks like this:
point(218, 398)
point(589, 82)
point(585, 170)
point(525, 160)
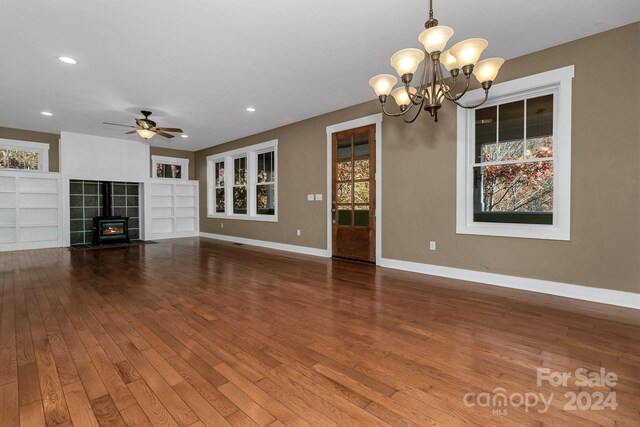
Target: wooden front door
point(354, 194)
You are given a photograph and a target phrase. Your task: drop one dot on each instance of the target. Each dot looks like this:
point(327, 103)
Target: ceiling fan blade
point(130, 132)
point(117, 124)
point(177, 130)
point(166, 135)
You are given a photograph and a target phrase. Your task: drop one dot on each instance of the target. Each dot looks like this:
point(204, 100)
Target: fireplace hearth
point(109, 228)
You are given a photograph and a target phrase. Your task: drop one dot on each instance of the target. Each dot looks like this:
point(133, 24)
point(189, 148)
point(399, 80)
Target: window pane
point(344, 148)
point(540, 117)
point(361, 216)
point(220, 200)
point(240, 171)
point(361, 192)
point(511, 132)
point(266, 167)
point(344, 215)
point(361, 144)
point(344, 193)
point(240, 200)
point(520, 193)
point(19, 159)
point(175, 171)
point(540, 147)
point(160, 170)
point(361, 169)
point(266, 199)
point(343, 171)
point(220, 174)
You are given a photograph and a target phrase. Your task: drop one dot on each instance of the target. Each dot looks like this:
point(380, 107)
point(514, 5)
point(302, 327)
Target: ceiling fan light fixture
point(145, 133)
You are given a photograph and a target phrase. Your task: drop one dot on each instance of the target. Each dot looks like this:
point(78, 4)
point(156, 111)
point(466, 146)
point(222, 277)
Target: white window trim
point(42, 148)
point(184, 163)
point(557, 81)
point(251, 152)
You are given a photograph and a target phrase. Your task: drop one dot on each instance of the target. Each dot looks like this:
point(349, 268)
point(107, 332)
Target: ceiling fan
point(147, 128)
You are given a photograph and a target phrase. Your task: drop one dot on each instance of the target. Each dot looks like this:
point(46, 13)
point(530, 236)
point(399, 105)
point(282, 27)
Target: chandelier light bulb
point(401, 96)
point(406, 61)
point(467, 52)
point(382, 84)
point(435, 38)
point(487, 69)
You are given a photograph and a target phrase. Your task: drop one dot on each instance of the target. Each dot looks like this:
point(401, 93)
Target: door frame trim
point(374, 119)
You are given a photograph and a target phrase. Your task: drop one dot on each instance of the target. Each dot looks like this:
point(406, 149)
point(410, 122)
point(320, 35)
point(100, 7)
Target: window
point(219, 187)
point(24, 156)
point(170, 167)
point(514, 158)
point(266, 184)
point(242, 183)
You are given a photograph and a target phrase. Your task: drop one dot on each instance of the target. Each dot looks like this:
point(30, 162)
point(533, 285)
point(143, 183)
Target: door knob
point(333, 209)
point(333, 222)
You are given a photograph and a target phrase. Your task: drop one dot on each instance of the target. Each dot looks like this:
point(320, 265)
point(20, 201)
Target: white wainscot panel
point(162, 225)
point(7, 183)
point(7, 216)
point(8, 200)
point(185, 225)
point(38, 216)
point(38, 234)
point(7, 235)
point(38, 185)
point(38, 200)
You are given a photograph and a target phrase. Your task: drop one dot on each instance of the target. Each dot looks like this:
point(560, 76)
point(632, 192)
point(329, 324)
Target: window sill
point(246, 217)
point(526, 231)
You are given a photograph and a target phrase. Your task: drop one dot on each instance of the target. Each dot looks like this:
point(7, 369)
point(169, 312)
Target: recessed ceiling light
point(67, 60)
point(251, 109)
point(184, 136)
point(46, 113)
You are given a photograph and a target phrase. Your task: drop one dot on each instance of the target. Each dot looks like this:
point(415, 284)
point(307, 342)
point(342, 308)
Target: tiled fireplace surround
point(86, 202)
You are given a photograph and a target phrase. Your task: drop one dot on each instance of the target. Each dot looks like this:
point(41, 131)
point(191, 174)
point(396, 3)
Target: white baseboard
point(586, 293)
point(171, 235)
point(272, 245)
point(23, 246)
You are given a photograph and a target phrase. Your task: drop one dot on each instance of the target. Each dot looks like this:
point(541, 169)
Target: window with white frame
point(242, 183)
point(514, 159)
point(169, 167)
point(24, 155)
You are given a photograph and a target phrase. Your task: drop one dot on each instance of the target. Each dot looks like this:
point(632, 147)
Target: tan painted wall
point(181, 154)
point(52, 139)
point(419, 179)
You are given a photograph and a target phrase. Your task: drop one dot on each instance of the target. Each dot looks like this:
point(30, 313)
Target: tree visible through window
point(166, 170)
point(514, 168)
point(19, 159)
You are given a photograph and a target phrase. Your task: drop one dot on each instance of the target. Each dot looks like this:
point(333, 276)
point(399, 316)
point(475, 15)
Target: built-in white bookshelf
point(171, 209)
point(30, 212)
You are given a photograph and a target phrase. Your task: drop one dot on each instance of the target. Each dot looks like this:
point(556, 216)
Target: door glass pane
point(344, 148)
point(361, 192)
point(361, 144)
point(266, 199)
point(343, 171)
point(240, 200)
point(361, 216)
point(361, 169)
point(344, 215)
point(344, 193)
point(220, 200)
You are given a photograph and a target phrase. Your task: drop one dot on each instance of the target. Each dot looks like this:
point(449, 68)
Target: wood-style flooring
point(196, 332)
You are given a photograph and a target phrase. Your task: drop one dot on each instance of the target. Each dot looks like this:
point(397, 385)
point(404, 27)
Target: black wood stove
point(109, 228)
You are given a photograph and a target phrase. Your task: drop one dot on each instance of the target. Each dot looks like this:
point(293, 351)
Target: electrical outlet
point(298, 232)
point(310, 197)
point(318, 197)
point(432, 245)
point(222, 225)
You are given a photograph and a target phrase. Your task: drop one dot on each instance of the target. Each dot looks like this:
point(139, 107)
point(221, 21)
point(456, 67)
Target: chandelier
point(433, 88)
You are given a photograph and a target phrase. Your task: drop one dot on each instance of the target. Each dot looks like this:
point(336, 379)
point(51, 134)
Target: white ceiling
point(198, 64)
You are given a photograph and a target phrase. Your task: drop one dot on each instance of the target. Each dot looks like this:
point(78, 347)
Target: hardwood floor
point(199, 332)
